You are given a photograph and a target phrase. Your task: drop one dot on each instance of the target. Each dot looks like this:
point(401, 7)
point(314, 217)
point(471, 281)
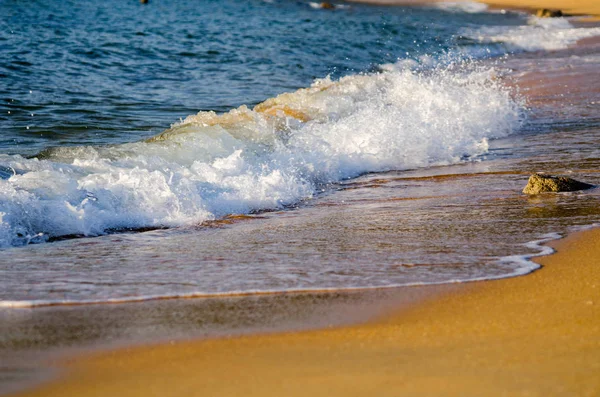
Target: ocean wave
point(540, 34)
point(284, 150)
point(470, 7)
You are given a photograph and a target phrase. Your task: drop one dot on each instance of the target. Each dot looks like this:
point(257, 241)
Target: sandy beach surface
point(586, 7)
point(529, 336)
point(537, 335)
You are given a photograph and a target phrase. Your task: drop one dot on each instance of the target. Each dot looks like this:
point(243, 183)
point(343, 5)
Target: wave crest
point(280, 152)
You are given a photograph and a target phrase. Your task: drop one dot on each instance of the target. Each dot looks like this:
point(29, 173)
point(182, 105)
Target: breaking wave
point(539, 34)
point(282, 151)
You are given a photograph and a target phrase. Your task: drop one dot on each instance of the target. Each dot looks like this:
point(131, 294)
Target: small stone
point(540, 183)
point(548, 13)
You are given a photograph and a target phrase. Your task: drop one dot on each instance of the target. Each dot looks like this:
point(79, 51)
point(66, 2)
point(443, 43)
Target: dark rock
point(539, 183)
point(547, 13)
point(327, 6)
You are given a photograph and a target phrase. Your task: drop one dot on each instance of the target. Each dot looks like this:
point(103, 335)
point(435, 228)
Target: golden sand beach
point(583, 7)
point(536, 335)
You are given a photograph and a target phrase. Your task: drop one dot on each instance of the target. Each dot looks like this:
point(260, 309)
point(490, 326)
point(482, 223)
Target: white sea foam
point(470, 7)
point(281, 152)
point(416, 113)
point(326, 5)
point(539, 34)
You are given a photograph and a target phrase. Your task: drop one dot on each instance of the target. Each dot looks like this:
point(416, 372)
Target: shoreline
point(533, 335)
point(575, 8)
point(308, 357)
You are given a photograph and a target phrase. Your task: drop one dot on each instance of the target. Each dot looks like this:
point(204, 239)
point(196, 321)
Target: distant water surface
point(116, 71)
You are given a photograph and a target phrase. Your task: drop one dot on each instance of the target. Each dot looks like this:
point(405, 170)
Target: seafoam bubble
point(470, 7)
point(539, 34)
point(276, 154)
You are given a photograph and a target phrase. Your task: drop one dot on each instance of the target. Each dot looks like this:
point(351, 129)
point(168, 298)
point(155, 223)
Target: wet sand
point(537, 336)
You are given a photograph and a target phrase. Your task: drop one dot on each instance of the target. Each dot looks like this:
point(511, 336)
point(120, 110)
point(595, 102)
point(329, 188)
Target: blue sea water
point(119, 116)
point(78, 73)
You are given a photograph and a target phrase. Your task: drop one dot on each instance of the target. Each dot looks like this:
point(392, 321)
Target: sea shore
point(537, 335)
point(579, 7)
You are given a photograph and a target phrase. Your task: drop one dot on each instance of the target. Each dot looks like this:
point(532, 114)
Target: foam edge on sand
point(533, 335)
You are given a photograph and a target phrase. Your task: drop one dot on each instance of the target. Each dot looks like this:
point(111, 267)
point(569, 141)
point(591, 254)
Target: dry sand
point(581, 7)
point(537, 335)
